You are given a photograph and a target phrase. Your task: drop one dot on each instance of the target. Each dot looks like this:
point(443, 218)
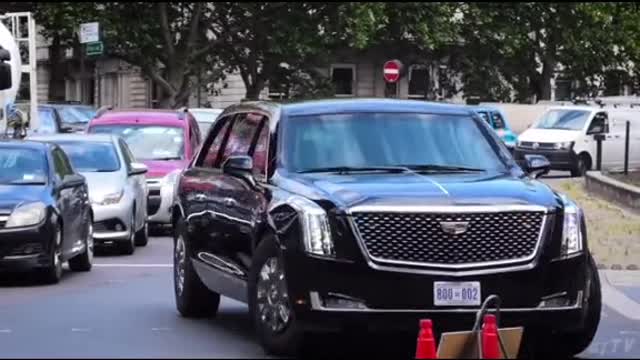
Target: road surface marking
point(80, 329)
point(5, 331)
point(135, 265)
point(160, 329)
point(617, 301)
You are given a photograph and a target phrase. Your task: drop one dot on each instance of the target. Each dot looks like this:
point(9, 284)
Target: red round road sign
point(391, 70)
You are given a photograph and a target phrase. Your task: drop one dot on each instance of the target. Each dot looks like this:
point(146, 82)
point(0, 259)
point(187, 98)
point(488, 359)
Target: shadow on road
point(28, 279)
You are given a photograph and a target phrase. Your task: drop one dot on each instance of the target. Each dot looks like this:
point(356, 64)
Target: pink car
point(164, 140)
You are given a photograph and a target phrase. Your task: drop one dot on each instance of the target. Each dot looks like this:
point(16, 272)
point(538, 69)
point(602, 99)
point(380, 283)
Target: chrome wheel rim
point(90, 242)
point(180, 260)
point(272, 296)
point(57, 255)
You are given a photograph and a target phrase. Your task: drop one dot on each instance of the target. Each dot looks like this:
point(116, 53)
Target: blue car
point(498, 122)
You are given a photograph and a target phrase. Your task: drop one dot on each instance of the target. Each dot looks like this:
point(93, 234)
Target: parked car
point(117, 187)
point(566, 136)
point(63, 118)
point(322, 216)
point(498, 121)
point(205, 117)
point(45, 215)
point(165, 141)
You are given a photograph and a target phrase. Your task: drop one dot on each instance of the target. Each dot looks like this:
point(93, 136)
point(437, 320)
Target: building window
point(343, 77)
point(418, 81)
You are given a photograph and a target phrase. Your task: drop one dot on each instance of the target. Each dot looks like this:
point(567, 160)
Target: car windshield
point(91, 156)
point(378, 140)
point(76, 114)
point(22, 167)
point(47, 120)
point(149, 142)
point(563, 119)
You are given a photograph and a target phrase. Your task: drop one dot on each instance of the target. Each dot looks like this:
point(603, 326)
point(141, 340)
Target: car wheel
point(84, 261)
point(128, 247)
point(142, 236)
point(269, 303)
point(193, 298)
point(567, 345)
point(53, 273)
point(581, 167)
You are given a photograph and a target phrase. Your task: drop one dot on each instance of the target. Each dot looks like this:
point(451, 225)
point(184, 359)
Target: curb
point(625, 195)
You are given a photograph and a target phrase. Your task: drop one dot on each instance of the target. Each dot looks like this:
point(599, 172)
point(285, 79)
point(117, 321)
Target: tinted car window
point(149, 142)
point(61, 163)
point(47, 118)
point(75, 115)
point(22, 166)
point(242, 133)
point(388, 139)
point(92, 157)
point(217, 144)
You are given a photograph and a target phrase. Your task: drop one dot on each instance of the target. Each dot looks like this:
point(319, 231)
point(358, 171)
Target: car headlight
point(315, 226)
point(572, 229)
point(110, 199)
point(563, 145)
point(27, 215)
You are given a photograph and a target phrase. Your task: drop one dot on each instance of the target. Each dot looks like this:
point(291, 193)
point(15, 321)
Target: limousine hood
point(419, 189)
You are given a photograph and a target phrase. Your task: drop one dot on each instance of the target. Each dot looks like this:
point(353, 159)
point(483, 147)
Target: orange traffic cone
point(490, 342)
point(426, 347)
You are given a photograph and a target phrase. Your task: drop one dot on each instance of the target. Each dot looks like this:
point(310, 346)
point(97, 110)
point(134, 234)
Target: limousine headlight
point(572, 236)
point(315, 226)
point(27, 215)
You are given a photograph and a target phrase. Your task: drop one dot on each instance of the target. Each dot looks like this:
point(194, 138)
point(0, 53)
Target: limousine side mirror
point(536, 165)
point(238, 165)
point(72, 181)
point(138, 169)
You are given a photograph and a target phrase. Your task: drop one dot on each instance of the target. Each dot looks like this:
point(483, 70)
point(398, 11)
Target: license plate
point(456, 293)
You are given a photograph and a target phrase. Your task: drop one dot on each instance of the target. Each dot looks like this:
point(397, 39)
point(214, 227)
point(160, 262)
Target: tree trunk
point(254, 89)
point(57, 71)
point(545, 79)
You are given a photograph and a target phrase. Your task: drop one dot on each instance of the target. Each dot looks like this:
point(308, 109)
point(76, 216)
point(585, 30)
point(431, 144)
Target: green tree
point(523, 44)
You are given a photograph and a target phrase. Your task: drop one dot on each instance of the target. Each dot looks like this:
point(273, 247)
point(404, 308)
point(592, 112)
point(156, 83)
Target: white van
point(565, 135)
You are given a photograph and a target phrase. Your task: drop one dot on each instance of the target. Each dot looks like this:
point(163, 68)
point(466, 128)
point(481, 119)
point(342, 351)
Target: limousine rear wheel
point(193, 298)
point(269, 303)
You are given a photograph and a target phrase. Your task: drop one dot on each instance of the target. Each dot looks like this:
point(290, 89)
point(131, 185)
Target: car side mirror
point(72, 181)
point(536, 165)
point(138, 169)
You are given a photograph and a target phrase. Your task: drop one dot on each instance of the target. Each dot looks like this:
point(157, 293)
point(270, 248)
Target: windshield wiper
point(351, 169)
point(441, 168)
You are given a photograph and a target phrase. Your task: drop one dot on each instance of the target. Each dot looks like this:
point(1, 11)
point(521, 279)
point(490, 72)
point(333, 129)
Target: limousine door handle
point(229, 202)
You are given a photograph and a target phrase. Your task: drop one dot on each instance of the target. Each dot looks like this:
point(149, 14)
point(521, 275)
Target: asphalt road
point(125, 307)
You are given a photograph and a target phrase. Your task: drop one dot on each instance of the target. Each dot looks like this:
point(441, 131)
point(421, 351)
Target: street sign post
point(391, 71)
point(89, 32)
point(95, 48)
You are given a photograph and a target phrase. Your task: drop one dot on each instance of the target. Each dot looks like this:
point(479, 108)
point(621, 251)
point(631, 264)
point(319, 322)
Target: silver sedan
point(117, 187)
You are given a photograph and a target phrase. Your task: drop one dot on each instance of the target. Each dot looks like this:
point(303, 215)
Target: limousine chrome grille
point(450, 237)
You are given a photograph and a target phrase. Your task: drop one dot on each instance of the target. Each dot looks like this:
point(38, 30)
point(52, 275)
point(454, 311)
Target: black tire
point(568, 345)
point(289, 341)
point(194, 300)
point(84, 261)
point(128, 247)
point(53, 273)
point(582, 166)
point(142, 236)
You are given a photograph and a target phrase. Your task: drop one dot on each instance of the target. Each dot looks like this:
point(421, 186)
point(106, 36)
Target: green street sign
point(95, 48)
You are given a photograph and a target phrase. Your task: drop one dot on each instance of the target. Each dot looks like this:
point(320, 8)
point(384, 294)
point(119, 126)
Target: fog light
point(339, 301)
point(556, 300)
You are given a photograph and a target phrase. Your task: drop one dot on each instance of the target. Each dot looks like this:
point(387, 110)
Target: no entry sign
point(391, 70)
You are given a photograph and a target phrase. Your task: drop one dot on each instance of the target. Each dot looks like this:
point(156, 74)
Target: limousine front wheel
point(269, 302)
point(193, 298)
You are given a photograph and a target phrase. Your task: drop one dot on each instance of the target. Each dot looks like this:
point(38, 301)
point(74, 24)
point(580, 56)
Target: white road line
point(80, 329)
point(617, 301)
point(160, 329)
point(135, 265)
point(5, 331)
